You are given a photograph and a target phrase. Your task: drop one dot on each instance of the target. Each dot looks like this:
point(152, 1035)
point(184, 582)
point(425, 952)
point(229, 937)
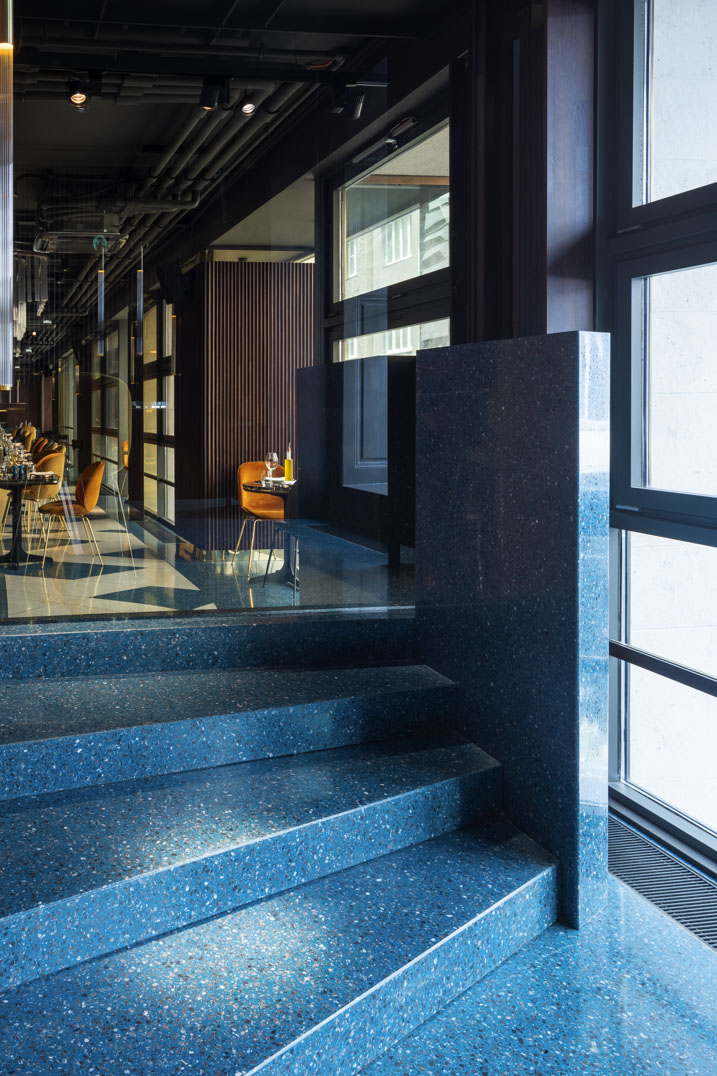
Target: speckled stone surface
point(69, 733)
point(512, 577)
point(105, 645)
point(96, 870)
point(319, 972)
point(630, 994)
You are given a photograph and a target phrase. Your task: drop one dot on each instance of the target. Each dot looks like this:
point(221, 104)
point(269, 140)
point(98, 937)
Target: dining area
point(34, 502)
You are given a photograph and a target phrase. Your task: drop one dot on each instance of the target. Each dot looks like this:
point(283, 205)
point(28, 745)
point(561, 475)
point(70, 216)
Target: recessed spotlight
point(78, 94)
point(248, 107)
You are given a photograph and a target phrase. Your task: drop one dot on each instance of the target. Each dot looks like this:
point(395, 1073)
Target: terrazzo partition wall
point(512, 577)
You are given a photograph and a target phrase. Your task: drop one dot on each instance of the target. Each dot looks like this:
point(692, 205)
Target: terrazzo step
point(316, 981)
point(71, 733)
point(213, 640)
point(87, 872)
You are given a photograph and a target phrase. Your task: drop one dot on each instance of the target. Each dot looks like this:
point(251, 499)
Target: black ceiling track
point(677, 889)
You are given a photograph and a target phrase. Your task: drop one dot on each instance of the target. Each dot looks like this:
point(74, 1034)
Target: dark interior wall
point(522, 167)
point(246, 329)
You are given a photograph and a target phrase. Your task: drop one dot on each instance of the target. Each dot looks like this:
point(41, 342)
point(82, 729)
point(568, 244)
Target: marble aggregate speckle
point(629, 994)
point(223, 996)
point(514, 605)
point(99, 646)
point(97, 730)
point(84, 873)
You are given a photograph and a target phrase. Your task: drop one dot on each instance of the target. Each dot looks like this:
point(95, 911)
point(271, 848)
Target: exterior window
point(405, 341)
point(680, 115)
point(397, 240)
point(393, 221)
point(659, 269)
point(399, 342)
point(351, 258)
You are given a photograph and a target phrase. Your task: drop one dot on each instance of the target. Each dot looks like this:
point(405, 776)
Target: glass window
point(169, 405)
point(397, 240)
point(405, 341)
point(150, 335)
point(150, 458)
point(150, 495)
point(680, 381)
point(150, 405)
point(672, 744)
point(681, 96)
point(672, 610)
point(395, 219)
point(351, 258)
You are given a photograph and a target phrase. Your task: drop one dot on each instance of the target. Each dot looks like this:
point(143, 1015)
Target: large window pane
point(682, 96)
point(405, 341)
point(150, 335)
point(395, 220)
point(680, 443)
point(672, 608)
point(150, 405)
point(672, 744)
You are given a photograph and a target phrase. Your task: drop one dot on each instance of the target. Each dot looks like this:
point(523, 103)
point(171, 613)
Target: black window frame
point(635, 240)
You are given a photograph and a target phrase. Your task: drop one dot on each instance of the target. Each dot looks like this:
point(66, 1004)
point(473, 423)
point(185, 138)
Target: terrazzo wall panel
point(512, 577)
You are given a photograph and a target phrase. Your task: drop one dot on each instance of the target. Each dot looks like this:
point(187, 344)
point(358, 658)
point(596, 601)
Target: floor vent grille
point(673, 886)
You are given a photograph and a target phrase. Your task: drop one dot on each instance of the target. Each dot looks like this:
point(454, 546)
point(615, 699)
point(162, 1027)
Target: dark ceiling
point(144, 155)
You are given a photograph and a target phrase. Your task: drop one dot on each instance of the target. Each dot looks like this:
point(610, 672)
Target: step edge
point(226, 714)
point(540, 875)
point(335, 816)
point(19, 923)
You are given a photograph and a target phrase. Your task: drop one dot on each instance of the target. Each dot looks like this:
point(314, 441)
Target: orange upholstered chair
point(35, 495)
point(256, 506)
point(29, 437)
point(87, 492)
point(38, 447)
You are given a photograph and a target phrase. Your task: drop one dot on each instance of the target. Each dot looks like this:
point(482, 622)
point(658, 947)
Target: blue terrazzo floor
point(631, 994)
point(69, 706)
point(219, 997)
point(60, 844)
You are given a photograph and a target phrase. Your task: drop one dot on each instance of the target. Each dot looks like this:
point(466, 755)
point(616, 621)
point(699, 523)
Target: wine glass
point(272, 461)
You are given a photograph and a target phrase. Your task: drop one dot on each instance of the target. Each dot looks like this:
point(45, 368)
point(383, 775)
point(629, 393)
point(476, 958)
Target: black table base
point(18, 555)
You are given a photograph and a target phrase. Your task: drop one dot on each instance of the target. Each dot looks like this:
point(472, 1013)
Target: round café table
point(285, 575)
point(18, 555)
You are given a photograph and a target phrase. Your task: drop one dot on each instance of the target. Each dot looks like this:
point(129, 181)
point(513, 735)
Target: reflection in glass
point(405, 341)
point(396, 218)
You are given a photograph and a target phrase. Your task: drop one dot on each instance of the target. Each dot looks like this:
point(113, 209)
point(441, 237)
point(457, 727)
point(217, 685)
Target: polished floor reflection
point(147, 568)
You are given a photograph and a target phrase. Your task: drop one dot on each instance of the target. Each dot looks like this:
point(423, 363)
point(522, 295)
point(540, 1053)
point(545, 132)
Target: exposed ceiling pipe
point(145, 231)
point(183, 47)
point(238, 122)
point(182, 135)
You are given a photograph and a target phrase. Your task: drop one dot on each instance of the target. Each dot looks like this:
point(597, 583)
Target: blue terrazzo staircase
point(237, 870)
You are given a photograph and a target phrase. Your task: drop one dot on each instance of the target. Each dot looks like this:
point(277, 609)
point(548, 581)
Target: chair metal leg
point(296, 567)
point(271, 550)
point(251, 547)
point(241, 532)
point(92, 539)
point(47, 539)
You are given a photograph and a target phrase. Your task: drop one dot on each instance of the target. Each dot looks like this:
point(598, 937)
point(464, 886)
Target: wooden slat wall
point(245, 332)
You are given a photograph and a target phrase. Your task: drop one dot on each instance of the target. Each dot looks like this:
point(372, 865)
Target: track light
point(248, 107)
point(215, 94)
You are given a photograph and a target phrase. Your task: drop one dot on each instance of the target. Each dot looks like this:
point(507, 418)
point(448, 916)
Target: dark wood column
point(522, 170)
